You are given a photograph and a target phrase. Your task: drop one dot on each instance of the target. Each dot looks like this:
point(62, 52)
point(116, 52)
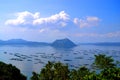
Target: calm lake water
point(32, 58)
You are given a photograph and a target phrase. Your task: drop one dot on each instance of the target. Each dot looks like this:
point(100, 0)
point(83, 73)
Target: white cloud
point(60, 19)
point(89, 21)
point(57, 18)
point(23, 18)
point(28, 18)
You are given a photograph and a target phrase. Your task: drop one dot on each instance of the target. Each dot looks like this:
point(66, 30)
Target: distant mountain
point(63, 43)
point(21, 42)
point(60, 43)
point(18, 41)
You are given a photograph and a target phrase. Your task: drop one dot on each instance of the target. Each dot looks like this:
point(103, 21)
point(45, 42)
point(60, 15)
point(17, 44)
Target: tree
point(92, 76)
point(79, 74)
point(35, 76)
point(111, 73)
point(59, 71)
point(9, 72)
point(52, 71)
point(47, 73)
point(102, 61)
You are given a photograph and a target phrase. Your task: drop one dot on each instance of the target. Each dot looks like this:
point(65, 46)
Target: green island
point(105, 68)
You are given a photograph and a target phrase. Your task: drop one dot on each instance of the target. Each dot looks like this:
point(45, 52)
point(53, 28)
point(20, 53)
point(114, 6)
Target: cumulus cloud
point(23, 18)
point(88, 21)
point(28, 18)
point(61, 17)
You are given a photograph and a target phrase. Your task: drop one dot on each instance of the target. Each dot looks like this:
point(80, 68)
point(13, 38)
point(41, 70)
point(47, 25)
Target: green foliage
point(52, 71)
point(111, 74)
point(47, 72)
point(59, 71)
point(102, 61)
point(9, 72)
point(92, 76)
point(35, 76)
point(79, 74)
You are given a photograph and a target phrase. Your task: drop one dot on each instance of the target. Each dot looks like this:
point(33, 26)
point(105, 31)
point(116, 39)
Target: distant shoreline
point(33, 43)
point(102, 44)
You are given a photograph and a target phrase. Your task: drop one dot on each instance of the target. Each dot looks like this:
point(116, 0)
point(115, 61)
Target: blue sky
point(47, 20)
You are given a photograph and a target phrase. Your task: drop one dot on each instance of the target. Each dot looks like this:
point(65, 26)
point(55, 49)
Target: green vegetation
point(104, 69)
point(52, 71)
point(60, 71)
point(9, 72)
point(102, 61)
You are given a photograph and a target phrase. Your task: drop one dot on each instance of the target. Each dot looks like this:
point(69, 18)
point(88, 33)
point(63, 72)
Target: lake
point(33, 58)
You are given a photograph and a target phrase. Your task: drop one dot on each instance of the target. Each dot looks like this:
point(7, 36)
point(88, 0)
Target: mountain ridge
point(35, 43)
point(21, 42)
point(65, 43)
